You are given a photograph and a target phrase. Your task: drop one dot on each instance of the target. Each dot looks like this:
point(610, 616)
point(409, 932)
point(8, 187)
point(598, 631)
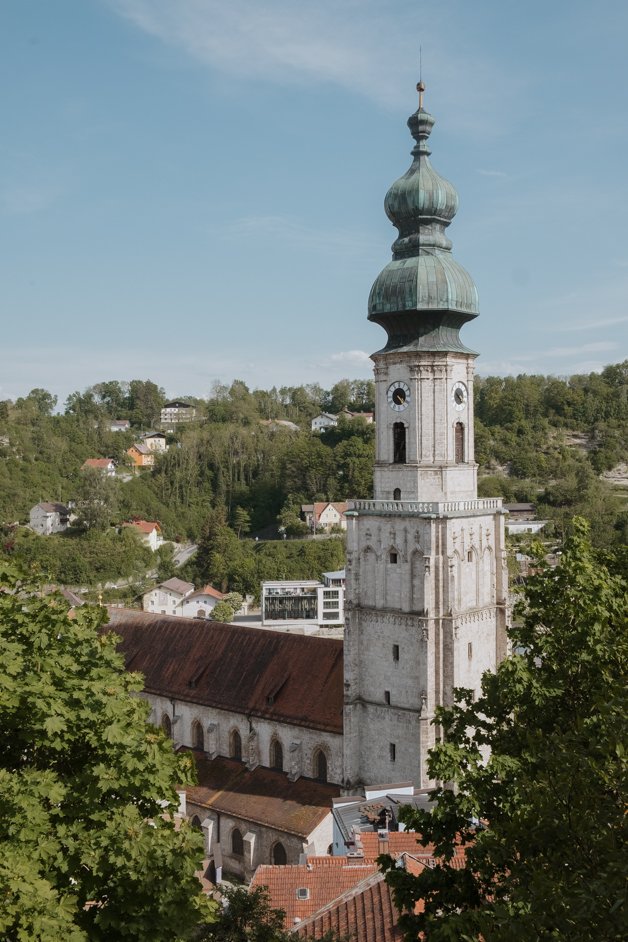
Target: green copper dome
point(423, 296)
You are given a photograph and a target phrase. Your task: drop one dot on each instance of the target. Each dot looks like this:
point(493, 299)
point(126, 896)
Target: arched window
point(320, 765)
point(166, 725)
point(397, 493)
point(201, 613)
point(237, 843)
point(196, 822)
point(235, 745)
point(399, 443)
point(459, 442)
point(278, 855)
point(198, 739)
point(276, 755)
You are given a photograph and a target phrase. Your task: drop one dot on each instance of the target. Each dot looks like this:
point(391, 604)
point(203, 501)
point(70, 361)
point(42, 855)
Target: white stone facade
point(426, 570)
point(299, 744)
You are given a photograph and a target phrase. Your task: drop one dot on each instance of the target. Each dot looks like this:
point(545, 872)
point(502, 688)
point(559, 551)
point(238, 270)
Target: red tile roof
point(365, 913)
point(262, 796)
point(289, 678)
point(146, 526)
point(97, 463)
point(325, 878)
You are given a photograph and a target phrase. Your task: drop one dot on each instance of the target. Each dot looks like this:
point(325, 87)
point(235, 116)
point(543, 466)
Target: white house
point(149, 531)
point(49, 517)
point(177, 412)
point(156, 441)
point(324, 420)
point(323, 515)
point(165, 598)
point(106, 466)
point(200, 604)
point(119, 425)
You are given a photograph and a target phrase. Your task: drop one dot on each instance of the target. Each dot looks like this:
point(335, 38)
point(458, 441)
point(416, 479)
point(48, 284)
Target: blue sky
point(192, 190)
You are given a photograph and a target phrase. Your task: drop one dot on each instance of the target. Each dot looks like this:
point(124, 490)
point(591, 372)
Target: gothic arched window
point(276, 755)
point(320, 765)
point(235, 745)
point(166, 725)
point(278, 855)
point(459, 443)
point(397, 493)
point(198, 739)
point(237, 843)
point(196, 823)
point(399, 443)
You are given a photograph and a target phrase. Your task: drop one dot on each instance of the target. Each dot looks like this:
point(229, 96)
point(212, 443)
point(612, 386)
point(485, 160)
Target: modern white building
point(306, 603)
point(426, 562)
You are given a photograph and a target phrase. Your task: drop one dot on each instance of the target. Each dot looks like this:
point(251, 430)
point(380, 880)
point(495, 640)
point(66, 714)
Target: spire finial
point(420, 89)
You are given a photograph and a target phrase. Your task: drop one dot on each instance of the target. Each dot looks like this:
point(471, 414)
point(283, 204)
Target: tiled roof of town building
point(177, 585)
point(324, 879)
point(97, 463)
point(51, 507)
point(290, 678)
point(146, 526)
point(365, 913)
point(262, 796)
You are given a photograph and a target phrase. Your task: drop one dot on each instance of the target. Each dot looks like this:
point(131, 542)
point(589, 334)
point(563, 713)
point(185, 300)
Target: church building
point(281, 724)
point(426, 562)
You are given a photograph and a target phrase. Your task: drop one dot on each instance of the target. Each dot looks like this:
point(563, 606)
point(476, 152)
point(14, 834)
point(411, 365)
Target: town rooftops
point(302, 889)
point(140, 449)
point(365, 913)
point(261, 796)
point(51, 507)
point(145, 526)
point(289, 678)
point(207, 590)
point(177, 585)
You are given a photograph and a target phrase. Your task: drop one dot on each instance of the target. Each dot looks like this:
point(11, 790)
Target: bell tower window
point(399, 443)
point(459, 443)
point(397, 493)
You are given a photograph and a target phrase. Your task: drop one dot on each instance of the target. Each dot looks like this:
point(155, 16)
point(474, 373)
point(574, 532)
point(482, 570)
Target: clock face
point(398, 396)
point(459, 396)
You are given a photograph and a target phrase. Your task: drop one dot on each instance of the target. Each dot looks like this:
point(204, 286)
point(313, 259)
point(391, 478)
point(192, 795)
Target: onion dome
point(423, 296)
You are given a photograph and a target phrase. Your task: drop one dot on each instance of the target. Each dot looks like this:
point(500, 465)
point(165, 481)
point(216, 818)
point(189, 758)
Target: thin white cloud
point(493, 173)
point(353, 44)
point(593, 324)
point(287, 229)
point(351, 356)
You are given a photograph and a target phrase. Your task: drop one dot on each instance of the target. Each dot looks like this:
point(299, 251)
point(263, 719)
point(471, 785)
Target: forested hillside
point(238, 468)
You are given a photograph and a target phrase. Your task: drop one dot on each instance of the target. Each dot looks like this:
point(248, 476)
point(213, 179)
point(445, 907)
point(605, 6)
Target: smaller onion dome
point(423, 289)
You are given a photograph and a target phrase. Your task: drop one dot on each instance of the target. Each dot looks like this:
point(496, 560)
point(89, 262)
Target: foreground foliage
point(86, 853)
point(548, 860)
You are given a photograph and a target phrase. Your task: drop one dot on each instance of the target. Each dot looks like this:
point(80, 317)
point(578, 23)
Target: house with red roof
point(322, 516)
point(199, 604)
point(149, 532)
point(104, 465)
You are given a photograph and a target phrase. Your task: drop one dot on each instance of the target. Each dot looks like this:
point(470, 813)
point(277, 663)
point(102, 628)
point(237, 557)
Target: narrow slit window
point(395, 652)
point(393, 558)
point(387, 697)
point(459, 442)
point(399, 443)
point(393, 751)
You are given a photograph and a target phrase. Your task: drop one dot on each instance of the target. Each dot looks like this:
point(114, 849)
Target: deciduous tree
point(544, 817)
point(87, 852)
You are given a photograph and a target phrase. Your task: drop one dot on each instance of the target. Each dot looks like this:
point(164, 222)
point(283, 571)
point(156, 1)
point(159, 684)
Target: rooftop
point(262, 796)
point(289, 678)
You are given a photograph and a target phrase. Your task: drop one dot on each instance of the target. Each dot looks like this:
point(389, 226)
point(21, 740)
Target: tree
point(247, 917)
point(87, 851)
point(96, 499)
point(545, 858)
point(222, 611)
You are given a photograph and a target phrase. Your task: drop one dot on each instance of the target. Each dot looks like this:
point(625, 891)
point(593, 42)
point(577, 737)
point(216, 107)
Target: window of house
point(235, 745)
point(237, 843)
point(198, 739)
point(166, 724)
point(196, 822)
point(320, 765)
point(278, 855)
point(276, 755)
point(399, 443)
point(395, 652)
point(393, 751)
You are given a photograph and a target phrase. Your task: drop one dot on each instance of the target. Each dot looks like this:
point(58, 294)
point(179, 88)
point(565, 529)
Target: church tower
point(426, 563)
